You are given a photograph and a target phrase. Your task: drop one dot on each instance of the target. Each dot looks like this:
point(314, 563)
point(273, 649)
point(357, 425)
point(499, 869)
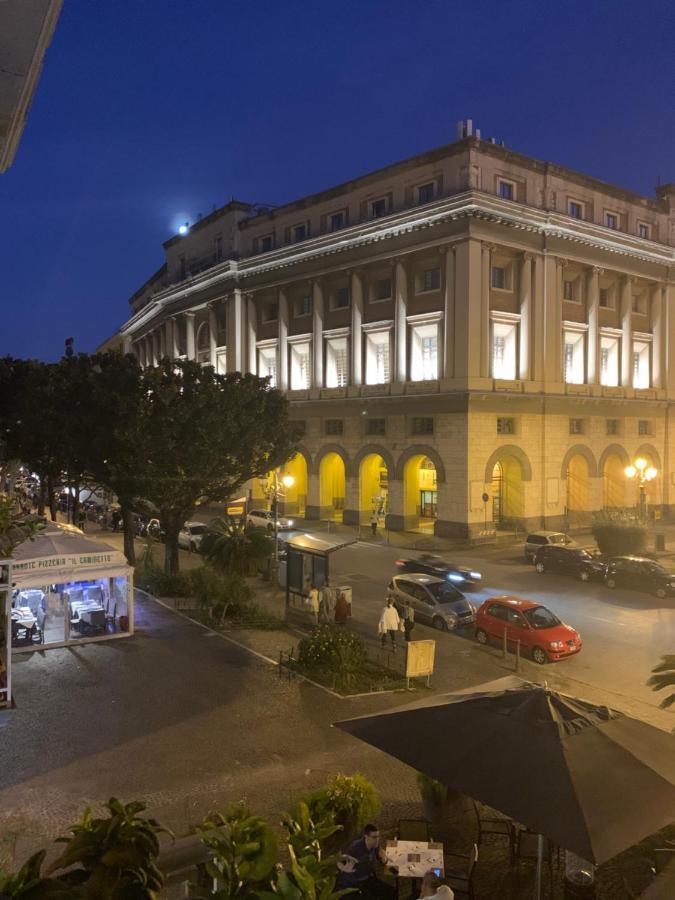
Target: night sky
point(151, 111)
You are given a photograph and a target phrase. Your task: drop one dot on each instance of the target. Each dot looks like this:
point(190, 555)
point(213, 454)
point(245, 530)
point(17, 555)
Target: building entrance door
point(428, 503)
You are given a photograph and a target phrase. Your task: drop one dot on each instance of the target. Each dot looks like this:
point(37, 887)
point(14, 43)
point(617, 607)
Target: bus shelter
point(308, 563)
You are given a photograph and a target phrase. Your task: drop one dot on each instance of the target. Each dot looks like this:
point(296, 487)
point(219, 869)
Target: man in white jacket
point(390, 622)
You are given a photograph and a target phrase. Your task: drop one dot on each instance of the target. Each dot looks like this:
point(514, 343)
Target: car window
point(557, 539)
point(198, 529)
point(422, 594)
point(655, 569)
point(582, 554)
point(407, 587)
point(444, 593)
point(536, 539)
point(515, 618)
point(498, 611)
point(540, 617)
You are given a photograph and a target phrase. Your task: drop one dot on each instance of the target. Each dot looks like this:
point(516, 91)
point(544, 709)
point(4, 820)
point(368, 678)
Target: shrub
point(618, 535)
point(351, 799)
point(333, 649)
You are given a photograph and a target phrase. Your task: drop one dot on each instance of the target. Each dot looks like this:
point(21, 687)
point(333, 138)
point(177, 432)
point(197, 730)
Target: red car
point(540, 633)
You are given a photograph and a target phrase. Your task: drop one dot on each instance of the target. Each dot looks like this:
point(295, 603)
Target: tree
point(205, 435)
point(663, 676)
point(232, 547)
point(15, 528)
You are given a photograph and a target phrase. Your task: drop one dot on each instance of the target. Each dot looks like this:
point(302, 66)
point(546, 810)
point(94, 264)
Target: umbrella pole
point(540, 865)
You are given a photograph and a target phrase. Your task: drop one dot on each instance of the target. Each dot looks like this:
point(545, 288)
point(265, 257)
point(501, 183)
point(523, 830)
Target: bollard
point(505, 650)
point(518, 655)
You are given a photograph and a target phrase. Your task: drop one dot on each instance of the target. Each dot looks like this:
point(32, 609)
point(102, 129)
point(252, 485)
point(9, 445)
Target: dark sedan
point(569, 561)
point(429, 564)
point(641, 574)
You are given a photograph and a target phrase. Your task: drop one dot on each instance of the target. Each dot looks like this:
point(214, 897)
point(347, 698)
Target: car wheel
point(660, 593)
point(540, 567)
point(439, 624)
point(584, 575)
point(539, 656)
point(610, 582)
point(481, 636)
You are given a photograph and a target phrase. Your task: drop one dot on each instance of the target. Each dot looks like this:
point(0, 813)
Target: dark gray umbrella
point(592, 779)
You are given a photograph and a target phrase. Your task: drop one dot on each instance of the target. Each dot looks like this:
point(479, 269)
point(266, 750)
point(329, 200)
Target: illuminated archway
point(420, 493)
point(373, 486)
point(614, 483)
point(332, 486)
point(578, 498)
point(203, 344)
point(506, 489)
point(295, 501)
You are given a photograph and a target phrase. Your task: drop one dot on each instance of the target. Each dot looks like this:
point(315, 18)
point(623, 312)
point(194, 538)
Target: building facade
point(468, 337)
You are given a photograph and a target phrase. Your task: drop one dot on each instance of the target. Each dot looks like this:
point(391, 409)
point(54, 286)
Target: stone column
point(467, 335)
point(552, 347)
point(168, 338)
point(626, 332)
point(191, 350)
point(449, 313)
point(351, 514)
point(174, 337)
point(313, 507)
point(282, 379)
point(593, 347)
point(356, 349)
point(538, 354)
point(659, 338)
point(139, 350)
point(667, 298)
point(395, 519)
point(235, 332)
point(317, 333)
point(400, 372)
point(525, 298)
point(155, 347)
point(485, 282)
point(213, 334)
point(251, 335)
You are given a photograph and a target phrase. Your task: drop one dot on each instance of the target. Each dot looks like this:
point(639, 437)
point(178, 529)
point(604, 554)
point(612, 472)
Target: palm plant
point(663, 676)
point(233, 548)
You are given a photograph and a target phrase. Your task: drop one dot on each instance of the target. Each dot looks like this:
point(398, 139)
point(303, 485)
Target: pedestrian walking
point(374, 522)
point(341, 609)
point(326, 604)
point(390, 623)
point(313, 603)
point(408, 621)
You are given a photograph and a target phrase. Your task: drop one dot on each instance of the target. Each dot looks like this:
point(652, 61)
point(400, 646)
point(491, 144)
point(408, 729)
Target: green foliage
point(245, 852)
point(15, 528)
point(28, 883)
point(351, 800)
point(230, 546)
point(334, 649)
point(618, 534)
point(432, 791)
point(663, 676)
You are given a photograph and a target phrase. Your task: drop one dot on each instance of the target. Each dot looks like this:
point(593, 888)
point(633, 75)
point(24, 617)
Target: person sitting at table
point(358, 866)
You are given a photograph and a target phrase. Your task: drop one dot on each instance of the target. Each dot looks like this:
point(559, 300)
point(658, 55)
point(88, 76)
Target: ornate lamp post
point(288, 481)
point(642, 472)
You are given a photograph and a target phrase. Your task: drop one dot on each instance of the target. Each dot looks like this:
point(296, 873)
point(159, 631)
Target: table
point(82, 610)
point(24, 616)
point(33, 597)
point(414, 859)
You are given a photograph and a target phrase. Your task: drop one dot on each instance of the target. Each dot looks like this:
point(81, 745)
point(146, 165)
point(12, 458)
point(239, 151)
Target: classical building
point(467, 336)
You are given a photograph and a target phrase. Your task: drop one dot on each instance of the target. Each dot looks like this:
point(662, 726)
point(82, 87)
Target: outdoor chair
point(461, 879)
point(111, 617)
point(20, 634)
point(495, 825)
point(39, 630)
point(413, 830)
point(97, 620)
point(527, 848)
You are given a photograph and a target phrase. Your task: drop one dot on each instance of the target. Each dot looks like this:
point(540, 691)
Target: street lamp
point(642, 472)
point(288, 481)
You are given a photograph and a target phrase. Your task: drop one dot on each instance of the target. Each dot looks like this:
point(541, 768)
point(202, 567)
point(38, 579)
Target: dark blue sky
point(150, 112)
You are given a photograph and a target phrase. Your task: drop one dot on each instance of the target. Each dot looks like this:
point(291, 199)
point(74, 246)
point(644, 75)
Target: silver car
point(537, 539)
point(191, 534)
point(434, 601)
point(264, 518)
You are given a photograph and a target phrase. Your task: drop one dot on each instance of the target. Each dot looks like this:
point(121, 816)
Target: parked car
point(434, 601)
point(641, 574)
point(264, 518)
point(538, 539)
point(191, 534)
point(569, 561)
point(540, 632)
point(429, 564)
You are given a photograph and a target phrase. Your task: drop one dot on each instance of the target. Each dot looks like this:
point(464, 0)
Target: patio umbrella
point(592, 779)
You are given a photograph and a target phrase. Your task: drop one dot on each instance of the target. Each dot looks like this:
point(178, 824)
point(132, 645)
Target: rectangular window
point(574, 342)
point(609, 361)
point(422, 426)
point(383, 289)
point(266, 243)
point(304, 306)
point(337, 221)
point(300, 233)
point(504, 350)
point(431, 279)
point(643, 230)
point(641, 367)
point(300, 362)
point(611, 220)
point(506, 426)
point(376, 426)
point(342, 298)
point(334, 426)
point(506, 190)
point(377, 357)
point(576, 210)
point(267, 364)
point(643, 427)
point(337, 362)
point(576, 426)
point(424, 352)
point(271, 313)
point(568, 290)
point(612, 426)
point(378, 208)
point(604, 298)
point(498, 279)
point(425, 192)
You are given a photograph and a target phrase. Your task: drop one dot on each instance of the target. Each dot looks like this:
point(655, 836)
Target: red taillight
point(400, 562)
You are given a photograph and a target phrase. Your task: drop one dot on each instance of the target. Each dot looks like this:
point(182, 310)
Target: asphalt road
point(624, 632)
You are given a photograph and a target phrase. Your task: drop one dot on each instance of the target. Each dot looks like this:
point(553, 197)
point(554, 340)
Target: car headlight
point(476, 575)
point(451, 619)
point(290, 522)
point(455, 576)
point(556, 645)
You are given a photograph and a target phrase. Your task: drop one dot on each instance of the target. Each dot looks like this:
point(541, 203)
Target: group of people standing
point(391, 623)
point(328, 605)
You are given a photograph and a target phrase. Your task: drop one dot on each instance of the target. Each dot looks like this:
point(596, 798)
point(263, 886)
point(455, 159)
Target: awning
point(311, 543)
